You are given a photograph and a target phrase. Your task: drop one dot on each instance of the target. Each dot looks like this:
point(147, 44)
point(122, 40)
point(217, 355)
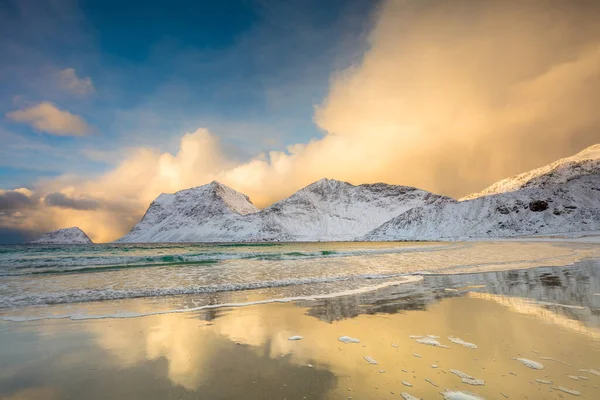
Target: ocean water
point(124, 280)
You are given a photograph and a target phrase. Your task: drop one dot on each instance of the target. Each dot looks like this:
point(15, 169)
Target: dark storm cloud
point(11, 201)
point(63, 201)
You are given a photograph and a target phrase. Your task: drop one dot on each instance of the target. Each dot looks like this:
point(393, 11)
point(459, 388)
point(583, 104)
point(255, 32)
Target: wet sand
point(550, 316)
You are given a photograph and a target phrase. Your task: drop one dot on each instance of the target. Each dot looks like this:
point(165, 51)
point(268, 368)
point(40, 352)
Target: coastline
point(547, 315)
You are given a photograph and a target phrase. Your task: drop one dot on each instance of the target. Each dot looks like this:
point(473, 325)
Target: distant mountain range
point(562, 197)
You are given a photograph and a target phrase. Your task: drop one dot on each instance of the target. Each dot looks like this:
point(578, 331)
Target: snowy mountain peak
point(214, 194)
point(586, 162)
point(336, 210)
point(191, 215)
point(72, 235)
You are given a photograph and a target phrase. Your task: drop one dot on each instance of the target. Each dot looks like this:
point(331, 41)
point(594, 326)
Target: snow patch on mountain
point(72, 235)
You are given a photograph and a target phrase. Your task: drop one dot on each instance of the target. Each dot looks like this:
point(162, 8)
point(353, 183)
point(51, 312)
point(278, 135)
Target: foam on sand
point(457, 395)
point(431, 382)
point(431, 342)
point(565, 390)
point(591, 371)
point(554, 359)
point(530, 363)
point(474, 382)
point(370, 360)
point(348, 339)
point(407, 396)
point(407, 383)
point(461, 374)
point(456, 340)
point(545, 382)
point(296, 337)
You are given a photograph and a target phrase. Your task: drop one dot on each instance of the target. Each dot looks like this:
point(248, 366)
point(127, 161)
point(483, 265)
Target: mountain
point(561, 197)
point(72, 235)
point(331, 210)
point(325, 210)
point(205, 213)
point(584, 163)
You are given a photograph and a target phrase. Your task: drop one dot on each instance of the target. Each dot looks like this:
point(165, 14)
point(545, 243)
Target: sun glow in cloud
point(450, 97)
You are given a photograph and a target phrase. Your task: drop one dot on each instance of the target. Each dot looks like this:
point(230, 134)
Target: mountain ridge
point(73, 235)
point(327, 209)
point(561, 197)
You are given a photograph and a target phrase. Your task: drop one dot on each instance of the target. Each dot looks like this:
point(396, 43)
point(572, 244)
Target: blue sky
point(250, 71)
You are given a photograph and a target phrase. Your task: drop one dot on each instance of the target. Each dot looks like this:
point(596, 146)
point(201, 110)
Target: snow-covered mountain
point(330, 210)
point(72, 235)
point(561, 197)
point(325, 210)
point(213, 212)
point(586, 162)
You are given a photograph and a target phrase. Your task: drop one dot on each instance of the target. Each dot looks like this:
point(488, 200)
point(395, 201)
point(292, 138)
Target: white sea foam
point(431, 342)
point(296, 337)
point(474, 382)
point(461, 374)
point(431, 382)
point(565, 390)
point(591, 371)
point(348, 339)
point(457, 395)
point(405, 383)
point(545, 382)
point(407, 396)
point(457, 340)
point(370, 360)
point(530, 363)
point(554, 359)
point(406, 279)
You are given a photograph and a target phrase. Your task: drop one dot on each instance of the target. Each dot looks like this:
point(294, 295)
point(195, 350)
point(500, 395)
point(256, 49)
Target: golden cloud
point(46, 117)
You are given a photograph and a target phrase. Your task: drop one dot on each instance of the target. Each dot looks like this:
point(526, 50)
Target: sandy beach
point(518, 334)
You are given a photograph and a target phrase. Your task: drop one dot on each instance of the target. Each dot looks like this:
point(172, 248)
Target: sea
point(130, 280)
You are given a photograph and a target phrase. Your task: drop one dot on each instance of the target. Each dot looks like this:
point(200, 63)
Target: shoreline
point(414, 279)
point(248, 352)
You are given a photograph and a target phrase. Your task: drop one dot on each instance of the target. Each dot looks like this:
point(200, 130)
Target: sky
point(104, 105)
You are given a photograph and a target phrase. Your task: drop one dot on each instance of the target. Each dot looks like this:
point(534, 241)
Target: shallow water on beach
point(480, 333)
point(136, 279)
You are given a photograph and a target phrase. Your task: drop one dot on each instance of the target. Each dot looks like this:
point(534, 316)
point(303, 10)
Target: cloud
point(67, 80)
point(46, 117)
point(449, 97)
point(14, 199)
point(64, 201)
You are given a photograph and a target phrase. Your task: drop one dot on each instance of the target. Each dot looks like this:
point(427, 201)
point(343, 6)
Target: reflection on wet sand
point(245, 352)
